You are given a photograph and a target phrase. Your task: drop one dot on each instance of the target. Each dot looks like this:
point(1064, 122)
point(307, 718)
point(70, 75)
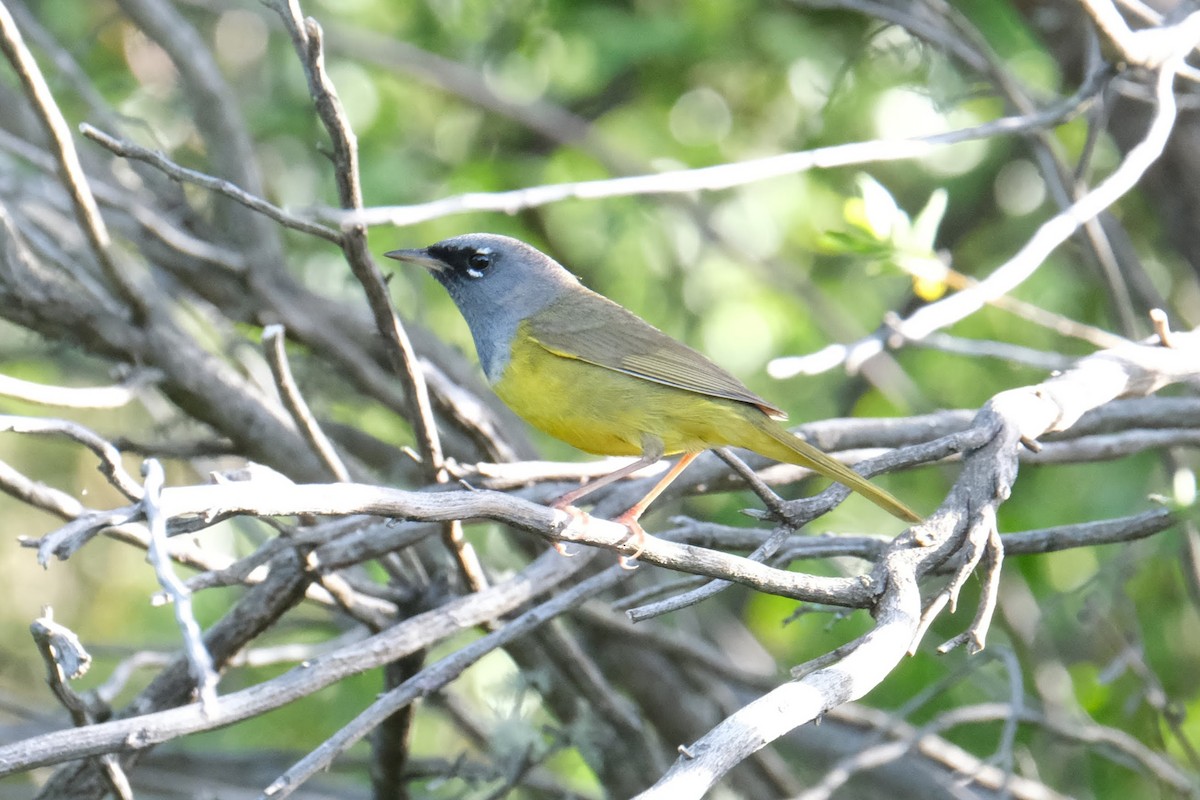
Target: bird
point(584, 369)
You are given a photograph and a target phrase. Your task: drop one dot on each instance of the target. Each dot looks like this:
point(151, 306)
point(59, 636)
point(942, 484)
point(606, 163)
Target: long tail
point(780, 444)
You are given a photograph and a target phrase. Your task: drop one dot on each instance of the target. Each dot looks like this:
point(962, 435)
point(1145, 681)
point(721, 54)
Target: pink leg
point(630, 518)
point(567, 501)
point(574, 495)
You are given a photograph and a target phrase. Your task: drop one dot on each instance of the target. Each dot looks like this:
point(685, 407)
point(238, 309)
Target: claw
point(630, 520)
point(576, 516)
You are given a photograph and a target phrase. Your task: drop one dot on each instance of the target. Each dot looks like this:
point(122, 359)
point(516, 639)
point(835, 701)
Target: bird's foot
point(630, 520)
point(577, 517)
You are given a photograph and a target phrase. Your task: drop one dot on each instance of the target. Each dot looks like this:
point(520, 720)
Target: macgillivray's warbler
point(587, 371)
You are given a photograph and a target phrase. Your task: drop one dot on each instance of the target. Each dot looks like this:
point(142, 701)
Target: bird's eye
point(477, 264)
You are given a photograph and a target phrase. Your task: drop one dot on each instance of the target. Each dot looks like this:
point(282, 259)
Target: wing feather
point(590, 327)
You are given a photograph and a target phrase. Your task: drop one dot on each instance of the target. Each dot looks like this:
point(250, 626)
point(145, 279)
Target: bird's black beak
point(420, 257)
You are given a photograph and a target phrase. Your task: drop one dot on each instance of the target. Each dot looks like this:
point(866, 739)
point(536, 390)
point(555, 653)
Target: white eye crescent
point(478, 263)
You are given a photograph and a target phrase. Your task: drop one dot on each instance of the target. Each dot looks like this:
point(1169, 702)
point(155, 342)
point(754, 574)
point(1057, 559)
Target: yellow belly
point(607, 412)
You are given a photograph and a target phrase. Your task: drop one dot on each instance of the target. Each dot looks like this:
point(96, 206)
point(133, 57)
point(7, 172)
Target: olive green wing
point(590, 327)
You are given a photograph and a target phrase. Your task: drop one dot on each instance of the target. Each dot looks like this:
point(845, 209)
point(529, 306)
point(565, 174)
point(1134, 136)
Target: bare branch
point(870, 658)
point(406, 637)
point(306, 37)
point(436, 676)
point(762, 553)
point(193, 641)
point(1117, 742)
point(273, 336)
point(274, 498)
point(256, 610)
point(66, 659)
point(985, 482)
point(38, 495)
point(110, 457)
point(1032, 255)
point(76, 396)
point(716, 178)
point(1151, 48)
point(71, 171)
point(128, 149)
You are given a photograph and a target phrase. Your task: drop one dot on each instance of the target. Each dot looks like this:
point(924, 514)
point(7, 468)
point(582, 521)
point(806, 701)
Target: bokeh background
point(457, 96)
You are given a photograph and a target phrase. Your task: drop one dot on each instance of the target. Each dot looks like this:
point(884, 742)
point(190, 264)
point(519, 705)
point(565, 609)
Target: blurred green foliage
point(749, 274)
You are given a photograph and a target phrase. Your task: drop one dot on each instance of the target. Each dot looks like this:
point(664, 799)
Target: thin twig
point(1075, 730)
point(38, 495)
point(1162, 326)
point(972, 348)
point(74, 179)
point(1052, 233)
point(158, 555)
point(762, 553)
point(307, 39)
point(110, 457)
point(127, 149)
point(772, 501)
point(714, 178)
point(975, 635)
point(66, 659)
point(76, 396)
point(422, 630)
point(436, 676)
point(273, 339)
point(152, 220)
